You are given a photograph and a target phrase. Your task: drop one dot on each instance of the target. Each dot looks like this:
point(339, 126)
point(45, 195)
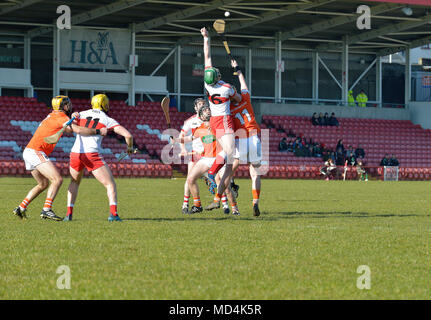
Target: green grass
point(307, 244)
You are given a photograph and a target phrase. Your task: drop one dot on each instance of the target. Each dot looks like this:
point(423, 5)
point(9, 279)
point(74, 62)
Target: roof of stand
point(299, 24)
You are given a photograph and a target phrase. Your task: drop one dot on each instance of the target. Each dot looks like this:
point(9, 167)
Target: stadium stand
point(378, 137)
point(20, 117)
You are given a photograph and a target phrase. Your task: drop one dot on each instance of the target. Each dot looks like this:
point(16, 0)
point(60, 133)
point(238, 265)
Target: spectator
point(299, 151)
point(282, 146)
point(362, 99)
point(350, 99)
point(340, 153)
point(307, 152)
point(297, 144)
point(321, 119)
point(326, 119)
point(350, 156)
point(359, 152)
point(333, 156)
point(385, 161)
point(393, 161)
point(315, 119)
point(290, 146)
point(333, 121)
point(317, 150)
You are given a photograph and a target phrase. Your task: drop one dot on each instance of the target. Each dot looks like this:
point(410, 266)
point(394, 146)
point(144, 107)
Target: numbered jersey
point(189, 128)
point(243, 115)
point(209, 140)
point(95, 119)
point(219, 98)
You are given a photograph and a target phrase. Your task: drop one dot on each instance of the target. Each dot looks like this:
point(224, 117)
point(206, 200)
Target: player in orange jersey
point(209, 141)
point(36, 154)
point(247, 143)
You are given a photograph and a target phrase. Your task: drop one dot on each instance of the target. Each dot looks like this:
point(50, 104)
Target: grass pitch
point(307, 244)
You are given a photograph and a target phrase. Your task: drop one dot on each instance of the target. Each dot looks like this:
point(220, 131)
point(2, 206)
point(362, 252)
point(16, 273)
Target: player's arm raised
point(241, 77)
point(207, 49)
point(127, 135)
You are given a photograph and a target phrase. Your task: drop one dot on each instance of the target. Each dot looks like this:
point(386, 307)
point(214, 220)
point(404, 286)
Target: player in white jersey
point(85, 154)
point(193, 149)
point(220, 95)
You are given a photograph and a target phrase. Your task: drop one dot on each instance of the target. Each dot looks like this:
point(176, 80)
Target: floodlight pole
point(177, 76)
point(132, 69)
point(315, 85)
point(277, 68)
point(27, 60)
point(379, 75)
point(345, 71)
point(248, 66)
point(408, 76)
point(56, 61)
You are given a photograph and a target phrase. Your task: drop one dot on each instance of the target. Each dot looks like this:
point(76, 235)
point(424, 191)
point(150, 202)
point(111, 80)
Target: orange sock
point(197, 201)
point(217, 197)
point(256, 195)
point(24, 204)
point(234, 206)
point(48, 204)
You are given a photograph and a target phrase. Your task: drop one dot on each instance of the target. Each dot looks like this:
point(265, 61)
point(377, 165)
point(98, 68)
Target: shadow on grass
point(274, 216)
point(191, 218)
point(347, 214)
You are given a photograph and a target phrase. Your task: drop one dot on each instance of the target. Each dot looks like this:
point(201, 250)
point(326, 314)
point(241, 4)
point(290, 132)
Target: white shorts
point(207, 161)
point(248, 150)
point(33, 158)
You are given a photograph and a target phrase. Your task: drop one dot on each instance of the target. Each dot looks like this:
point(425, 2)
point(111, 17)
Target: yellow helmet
point(100, 102)
point(58, 102)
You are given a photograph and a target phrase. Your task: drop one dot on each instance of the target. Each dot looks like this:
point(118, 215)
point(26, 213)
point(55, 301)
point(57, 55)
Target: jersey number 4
point(241, 116)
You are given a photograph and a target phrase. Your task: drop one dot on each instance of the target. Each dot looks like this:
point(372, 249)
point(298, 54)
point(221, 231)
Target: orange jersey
point(243, 115)
point(50, 125)
point(209, 140)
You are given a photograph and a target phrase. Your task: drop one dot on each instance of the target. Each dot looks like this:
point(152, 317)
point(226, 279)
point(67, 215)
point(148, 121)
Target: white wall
point(304, 110)
point(110, 82)
point(417, 53)
point(16, 78)
point(420, 113)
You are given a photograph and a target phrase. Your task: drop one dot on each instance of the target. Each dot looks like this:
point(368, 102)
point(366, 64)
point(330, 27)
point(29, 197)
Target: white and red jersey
point(95, 119)
point(219, 96)
point(189, 128)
